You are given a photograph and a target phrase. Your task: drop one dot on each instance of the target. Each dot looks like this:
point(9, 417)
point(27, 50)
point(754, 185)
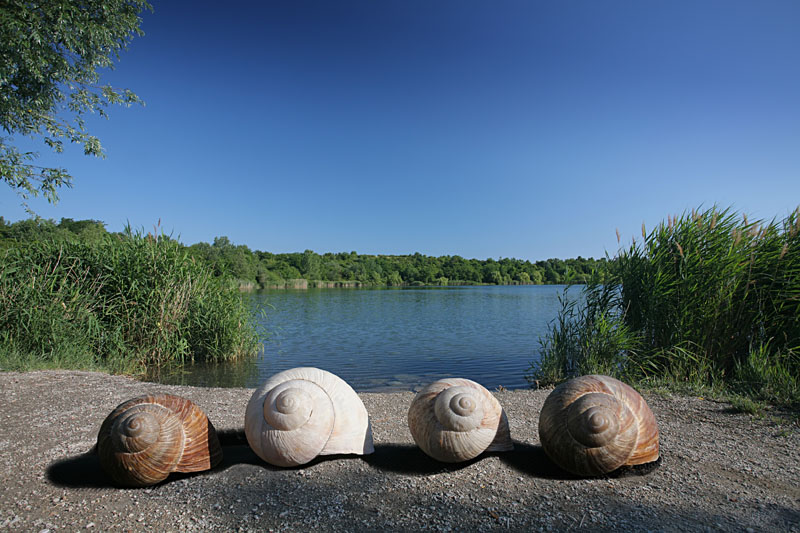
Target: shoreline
point(304, 284)
point(720, 471)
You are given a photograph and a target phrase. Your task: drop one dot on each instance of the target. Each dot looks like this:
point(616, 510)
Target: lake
point(386, 339)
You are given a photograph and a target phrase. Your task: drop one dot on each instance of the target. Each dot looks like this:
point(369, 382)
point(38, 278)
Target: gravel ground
point(720, 471)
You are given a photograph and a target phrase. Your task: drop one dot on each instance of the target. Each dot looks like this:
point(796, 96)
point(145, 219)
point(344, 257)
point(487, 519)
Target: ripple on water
point(380, 340)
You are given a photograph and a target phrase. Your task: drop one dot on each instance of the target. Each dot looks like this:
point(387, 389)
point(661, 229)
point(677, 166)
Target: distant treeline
point(256, 269)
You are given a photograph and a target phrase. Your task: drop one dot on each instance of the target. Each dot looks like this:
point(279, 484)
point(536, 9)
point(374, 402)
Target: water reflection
point(236, 374)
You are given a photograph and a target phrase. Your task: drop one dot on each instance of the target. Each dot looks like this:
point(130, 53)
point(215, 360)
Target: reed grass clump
point(130, 303)
point(708, 298)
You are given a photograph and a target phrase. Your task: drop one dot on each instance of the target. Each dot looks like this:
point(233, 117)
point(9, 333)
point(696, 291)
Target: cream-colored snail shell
point(301, 413)
point(456, 419)
point(593, 425)
point(144, 439)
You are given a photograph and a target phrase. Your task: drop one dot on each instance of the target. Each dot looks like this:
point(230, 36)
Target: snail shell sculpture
point(456, 419)
point(146, 438)
point(593, 425)
point(301, 413)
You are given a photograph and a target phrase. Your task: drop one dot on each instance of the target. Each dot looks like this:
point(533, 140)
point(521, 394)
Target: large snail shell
point(592, 425)
point(304, 412)
point(457, 419)
point(146, 438)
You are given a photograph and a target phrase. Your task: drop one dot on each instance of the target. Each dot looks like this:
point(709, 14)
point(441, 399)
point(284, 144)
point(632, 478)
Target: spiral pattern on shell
point(301, 413)
point(593, 425)
point(456, 419)
point(144, 439)
point(137, 429)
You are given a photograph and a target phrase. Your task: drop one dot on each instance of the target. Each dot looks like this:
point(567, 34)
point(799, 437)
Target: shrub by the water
point(129, 303)
point(708, 298)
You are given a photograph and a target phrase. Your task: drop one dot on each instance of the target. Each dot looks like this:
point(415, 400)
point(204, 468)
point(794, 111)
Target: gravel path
point(720, 471)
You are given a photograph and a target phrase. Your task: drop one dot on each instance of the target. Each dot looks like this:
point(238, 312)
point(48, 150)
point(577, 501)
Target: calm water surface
point(397, 339)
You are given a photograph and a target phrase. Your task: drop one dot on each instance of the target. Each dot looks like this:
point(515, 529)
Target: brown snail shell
point(145, 439)
point(593, 425)
point(456, 419)
point(304, 412)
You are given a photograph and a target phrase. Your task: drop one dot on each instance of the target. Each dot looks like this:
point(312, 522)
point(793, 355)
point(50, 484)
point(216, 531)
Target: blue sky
point(483, 129)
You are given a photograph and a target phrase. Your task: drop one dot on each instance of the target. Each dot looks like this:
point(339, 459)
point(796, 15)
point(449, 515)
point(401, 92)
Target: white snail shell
point(301, 413)
point(144, 439)
point(593, 425)
point(456, 419)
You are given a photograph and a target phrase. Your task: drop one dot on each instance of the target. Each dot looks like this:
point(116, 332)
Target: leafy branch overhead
point(50, 54)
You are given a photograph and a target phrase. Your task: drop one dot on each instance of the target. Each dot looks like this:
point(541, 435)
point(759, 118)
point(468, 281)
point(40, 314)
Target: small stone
point(750, 530)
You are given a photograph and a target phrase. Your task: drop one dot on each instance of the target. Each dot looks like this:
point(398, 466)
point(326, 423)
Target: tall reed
point(588, 336)
point(133, 303)
point(708, 297)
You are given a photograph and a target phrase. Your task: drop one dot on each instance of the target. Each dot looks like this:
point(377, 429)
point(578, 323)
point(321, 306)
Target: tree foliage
point(50, 54)
point(266, 269)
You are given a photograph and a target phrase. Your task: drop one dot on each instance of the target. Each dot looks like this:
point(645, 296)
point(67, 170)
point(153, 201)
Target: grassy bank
point(123, 303)
point(705, 301)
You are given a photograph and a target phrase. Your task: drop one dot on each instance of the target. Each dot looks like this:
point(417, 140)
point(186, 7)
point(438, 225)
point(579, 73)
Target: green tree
point(394, 278)
point(310, 265)
point(85, 230)
point(50, 53)
point(537, 276)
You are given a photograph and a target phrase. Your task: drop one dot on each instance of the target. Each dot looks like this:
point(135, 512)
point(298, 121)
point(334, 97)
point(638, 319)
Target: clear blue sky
point(484, 129)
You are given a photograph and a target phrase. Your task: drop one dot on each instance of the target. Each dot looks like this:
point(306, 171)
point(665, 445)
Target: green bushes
point(707, 298)
point(128, 304)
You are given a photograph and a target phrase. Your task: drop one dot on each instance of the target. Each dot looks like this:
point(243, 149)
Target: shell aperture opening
point(136, 430)
point(459, 409)
point(287, 407)
point(593, 419)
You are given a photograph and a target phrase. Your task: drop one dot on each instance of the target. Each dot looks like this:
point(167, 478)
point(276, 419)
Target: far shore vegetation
point(707, 302)
point(253, 269)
